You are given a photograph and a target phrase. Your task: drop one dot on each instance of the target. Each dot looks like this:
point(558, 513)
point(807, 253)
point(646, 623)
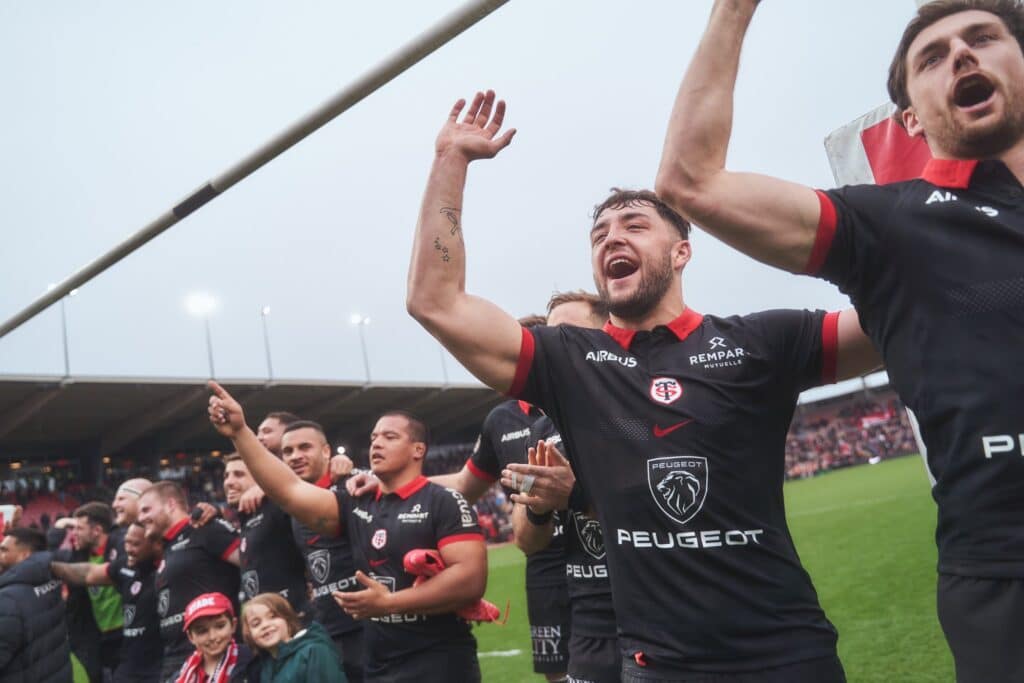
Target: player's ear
point(681, 253)
point(910, 121)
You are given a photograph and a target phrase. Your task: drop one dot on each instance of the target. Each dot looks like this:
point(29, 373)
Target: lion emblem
point(680, 491)
point(589, 532)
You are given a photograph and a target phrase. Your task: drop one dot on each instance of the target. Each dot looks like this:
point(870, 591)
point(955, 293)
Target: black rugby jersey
point(586, 571)
point(194, 563)
point(383, 528)
point(330, 567)
point(679, 436)
point(269, 560)
point(504, 438)
point(935, 268)
point(142, 647)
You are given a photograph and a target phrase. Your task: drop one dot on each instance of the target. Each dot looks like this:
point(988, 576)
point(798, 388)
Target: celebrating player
point(933, 266)
point(677, 420)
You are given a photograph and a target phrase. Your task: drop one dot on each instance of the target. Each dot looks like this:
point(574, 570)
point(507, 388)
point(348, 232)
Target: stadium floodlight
point(341, 450)
point(399, 61)
point(361, 322)
point(201, 305)
point(264, 312)
point(64, 327)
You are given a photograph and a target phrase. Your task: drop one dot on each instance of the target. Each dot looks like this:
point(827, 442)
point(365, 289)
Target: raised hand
point(251, 500)
point(551, 483)
point(226, 414)
point(476, 136)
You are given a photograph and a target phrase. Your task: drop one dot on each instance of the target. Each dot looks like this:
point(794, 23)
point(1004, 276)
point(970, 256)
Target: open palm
point(476, 136)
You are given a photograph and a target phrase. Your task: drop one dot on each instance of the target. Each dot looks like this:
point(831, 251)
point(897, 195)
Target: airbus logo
point(609, 357)
point(516, 435)
point(940, 197)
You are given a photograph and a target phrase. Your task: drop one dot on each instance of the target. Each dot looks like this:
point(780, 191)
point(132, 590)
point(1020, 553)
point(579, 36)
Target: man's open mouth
point(620, 267)
point(972, 90)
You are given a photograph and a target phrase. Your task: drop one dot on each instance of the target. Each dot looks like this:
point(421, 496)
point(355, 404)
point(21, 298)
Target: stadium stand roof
point(52, 416)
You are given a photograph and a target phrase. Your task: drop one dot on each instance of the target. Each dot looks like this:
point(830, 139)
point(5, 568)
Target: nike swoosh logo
point(661, 433)
point(377, 563)
point(313, 540)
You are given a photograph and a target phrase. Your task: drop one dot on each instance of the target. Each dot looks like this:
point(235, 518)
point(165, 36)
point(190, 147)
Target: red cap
point(207, 605)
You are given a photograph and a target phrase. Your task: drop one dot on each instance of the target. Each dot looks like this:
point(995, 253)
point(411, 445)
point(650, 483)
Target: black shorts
point(548, 609)
point(449, 664)
point(821, 670)
point(350, 649)
point(594, 660)
point(983, 620)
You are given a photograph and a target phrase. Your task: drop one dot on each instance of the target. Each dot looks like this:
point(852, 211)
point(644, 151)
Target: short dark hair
point(97, 513)
point(1011, 12)
point(620, 198)
point(169, 489)
point(232, 457)
point(418, 430)
point(31, 539)
point(597, 305)
point(306, 424)
point(533, 320)
point(283, 416)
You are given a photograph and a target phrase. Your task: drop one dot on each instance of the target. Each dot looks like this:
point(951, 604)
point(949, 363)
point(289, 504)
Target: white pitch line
point(500, 653)
point(852, 503)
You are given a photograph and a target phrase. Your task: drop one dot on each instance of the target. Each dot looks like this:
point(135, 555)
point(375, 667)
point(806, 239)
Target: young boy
point(210, 626)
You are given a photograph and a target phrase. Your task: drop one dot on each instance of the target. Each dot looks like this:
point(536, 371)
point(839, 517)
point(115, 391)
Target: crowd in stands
point(868, 428)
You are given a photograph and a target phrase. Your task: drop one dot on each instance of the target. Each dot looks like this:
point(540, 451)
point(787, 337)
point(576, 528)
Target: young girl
point(288, 652)
point(210, 625)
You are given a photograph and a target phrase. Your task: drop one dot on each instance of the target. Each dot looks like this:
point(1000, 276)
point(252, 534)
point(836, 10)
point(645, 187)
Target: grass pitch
point(866, 535)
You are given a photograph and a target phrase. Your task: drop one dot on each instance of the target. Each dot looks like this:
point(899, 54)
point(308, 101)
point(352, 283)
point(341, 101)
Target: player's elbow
point(684, 189)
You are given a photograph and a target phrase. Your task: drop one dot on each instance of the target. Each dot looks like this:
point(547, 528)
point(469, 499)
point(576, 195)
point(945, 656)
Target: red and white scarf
point(192, 670)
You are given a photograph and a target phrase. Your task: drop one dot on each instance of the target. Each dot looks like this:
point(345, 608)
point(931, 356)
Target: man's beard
point(984, 142)
point(649, 293)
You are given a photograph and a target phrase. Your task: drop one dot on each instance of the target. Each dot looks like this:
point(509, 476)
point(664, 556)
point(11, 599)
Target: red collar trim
point(525, 407)
point(952, 173)
point(324, 482)
point(682, 327)
point(405, 491)
point(175, 530)
point(102, 550)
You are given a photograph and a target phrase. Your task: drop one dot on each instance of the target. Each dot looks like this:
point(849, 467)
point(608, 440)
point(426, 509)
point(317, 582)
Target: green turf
point(866, 537)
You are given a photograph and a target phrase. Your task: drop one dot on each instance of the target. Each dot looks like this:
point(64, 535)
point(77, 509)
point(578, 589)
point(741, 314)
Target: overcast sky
point(114, 111)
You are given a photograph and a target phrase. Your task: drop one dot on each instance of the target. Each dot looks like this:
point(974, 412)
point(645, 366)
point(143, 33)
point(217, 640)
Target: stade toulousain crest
point(589, 532)
point(665, 390)
point(129, 614)
point(320, 565)
point(679, 484)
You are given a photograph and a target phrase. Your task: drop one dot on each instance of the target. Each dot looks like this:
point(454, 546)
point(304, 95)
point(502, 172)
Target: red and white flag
point(875, 148)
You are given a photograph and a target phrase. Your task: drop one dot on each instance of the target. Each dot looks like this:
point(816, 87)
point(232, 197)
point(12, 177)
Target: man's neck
point(665, 312)
point(391, 482)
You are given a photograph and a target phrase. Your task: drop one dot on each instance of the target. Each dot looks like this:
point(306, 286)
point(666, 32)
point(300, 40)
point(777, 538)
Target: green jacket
point(309, 656)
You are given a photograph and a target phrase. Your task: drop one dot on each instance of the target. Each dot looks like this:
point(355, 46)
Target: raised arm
point(771, 220)
point(484, 338)
point(315, 507)
point(81, 573)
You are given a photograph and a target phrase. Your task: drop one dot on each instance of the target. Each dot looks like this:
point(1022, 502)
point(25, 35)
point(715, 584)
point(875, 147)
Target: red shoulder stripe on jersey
point(457, 538)
point(826, 233)
point(106, 570)
point(231, 548)
point(524, 365)
point(952, 173)
point(175, 530)
point(479, 473)
point(829, 347)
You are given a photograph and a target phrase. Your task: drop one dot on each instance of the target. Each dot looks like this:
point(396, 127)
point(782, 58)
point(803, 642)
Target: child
point(210, 625)
point(288, 652)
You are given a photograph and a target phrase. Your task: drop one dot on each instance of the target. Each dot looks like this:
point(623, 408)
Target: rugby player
point(268, 556)
point(134, 580)
point(677, 420)
point(504, 439)
point(933, 266)
point(126, 511)
point(413, 633)
point(195, 561)
point(93, 522)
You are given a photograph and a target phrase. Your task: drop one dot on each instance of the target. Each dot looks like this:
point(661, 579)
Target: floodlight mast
point(405, 57)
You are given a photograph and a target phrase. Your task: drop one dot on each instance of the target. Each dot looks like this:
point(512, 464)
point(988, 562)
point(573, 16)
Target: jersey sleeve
point(849, 249)
point(345, 505)
point(483, 461)
point(803, 345)
point(454, 519)
point(220, 538)
point(543, 351)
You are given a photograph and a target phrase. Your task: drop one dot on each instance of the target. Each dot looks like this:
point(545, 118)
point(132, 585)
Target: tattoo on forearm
point(322, 525)
point(445, 256)
point(452, 214)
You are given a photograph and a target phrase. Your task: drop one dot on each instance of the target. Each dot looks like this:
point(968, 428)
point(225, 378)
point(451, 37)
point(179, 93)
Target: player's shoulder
point(216, 526)
point(543, 428)
point(767, 325)
point(868, 198)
